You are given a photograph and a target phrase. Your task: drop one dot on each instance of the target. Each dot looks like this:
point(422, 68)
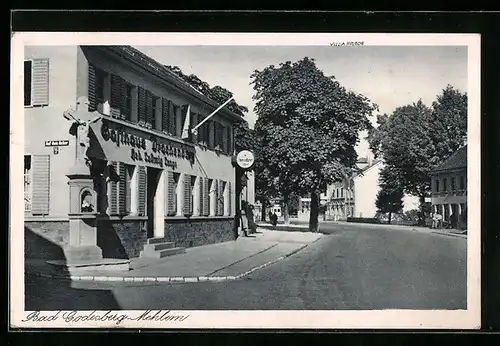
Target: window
point(220, 197)
point(227, 139)
point(211, 134)
point(28, 193)
point(437, 185)
point(100, 85)
point(445, 184)
point(342, 192)
point(203, 131)
point(453, 187)
point(36, 82)
point(177, 121)
point(127, 107)
point(97, 83)
point(193, 121)
point(462, 182)
point(217, 135)
point(120, 193)
point(172, 182)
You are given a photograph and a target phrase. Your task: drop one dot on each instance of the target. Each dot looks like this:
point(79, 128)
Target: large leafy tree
point(416, 138)
point(307, 126)
point(390, 196)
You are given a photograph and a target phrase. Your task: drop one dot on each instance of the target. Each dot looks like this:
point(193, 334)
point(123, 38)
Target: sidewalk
point(218, 262)
point(303, 227)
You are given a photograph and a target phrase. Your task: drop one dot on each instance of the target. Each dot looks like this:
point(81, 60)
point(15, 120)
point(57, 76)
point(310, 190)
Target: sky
point(390, 76)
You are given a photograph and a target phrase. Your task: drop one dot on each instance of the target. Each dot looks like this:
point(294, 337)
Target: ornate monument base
point(82, 254)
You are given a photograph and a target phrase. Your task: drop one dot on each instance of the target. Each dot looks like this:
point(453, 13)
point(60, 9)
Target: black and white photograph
point(245, 180)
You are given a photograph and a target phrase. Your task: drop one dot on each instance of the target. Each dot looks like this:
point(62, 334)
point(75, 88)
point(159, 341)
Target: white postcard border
point(417, 319)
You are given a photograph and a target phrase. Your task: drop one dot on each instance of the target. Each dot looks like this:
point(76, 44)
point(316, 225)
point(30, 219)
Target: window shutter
point(149, 109)
point(122, 185)
point(123, 98)
point(41, 184)
point(216, 192)
point(171, 193)
point(116, 96)
point(91, 89)
point(113, 192)
point(172, 119)
point(206, 196)
point(187, 194)
point(229, 200)
point(141, 193)
point(141, 105)
point(40, 82)
point(216, 135)
point(165, 114)
point(231, 140)
point(201, 195)
point(211, 134)
point(224, 139)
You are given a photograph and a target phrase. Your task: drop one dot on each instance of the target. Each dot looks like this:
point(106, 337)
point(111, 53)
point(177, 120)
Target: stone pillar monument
point(82, 196)
point(82, 251)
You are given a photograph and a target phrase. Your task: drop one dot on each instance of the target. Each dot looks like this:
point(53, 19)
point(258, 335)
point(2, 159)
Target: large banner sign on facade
point(143, 148)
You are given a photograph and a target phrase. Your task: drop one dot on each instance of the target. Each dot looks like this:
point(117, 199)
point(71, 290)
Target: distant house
point(449, 186)
point(356, 196)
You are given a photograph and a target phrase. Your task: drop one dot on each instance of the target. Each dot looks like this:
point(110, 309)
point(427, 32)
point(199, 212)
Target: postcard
point(245, 181)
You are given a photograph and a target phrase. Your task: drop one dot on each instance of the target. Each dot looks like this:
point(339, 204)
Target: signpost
point(243, 162)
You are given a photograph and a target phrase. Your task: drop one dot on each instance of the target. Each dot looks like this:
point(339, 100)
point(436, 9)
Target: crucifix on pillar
point(81, 120)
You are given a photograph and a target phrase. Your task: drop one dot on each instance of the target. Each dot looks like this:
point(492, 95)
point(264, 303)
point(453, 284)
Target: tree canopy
point(307, 125)
point(416, 138)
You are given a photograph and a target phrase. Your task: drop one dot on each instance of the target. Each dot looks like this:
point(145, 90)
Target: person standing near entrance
point(439, 220)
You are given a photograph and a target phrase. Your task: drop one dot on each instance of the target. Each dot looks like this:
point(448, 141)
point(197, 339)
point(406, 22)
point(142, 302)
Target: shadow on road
point(55, 294)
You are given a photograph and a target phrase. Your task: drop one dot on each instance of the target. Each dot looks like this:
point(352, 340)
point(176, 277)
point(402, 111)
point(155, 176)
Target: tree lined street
point(352, 268)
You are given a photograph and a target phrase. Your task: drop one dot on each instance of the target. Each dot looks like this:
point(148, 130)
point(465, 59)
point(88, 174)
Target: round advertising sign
point(245, 159)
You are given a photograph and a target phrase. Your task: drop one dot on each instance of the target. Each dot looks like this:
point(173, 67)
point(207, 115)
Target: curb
point(451, 234)
point(175, 279)
point(241, 260)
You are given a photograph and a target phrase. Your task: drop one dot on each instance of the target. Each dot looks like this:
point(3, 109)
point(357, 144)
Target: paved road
point(351, 268)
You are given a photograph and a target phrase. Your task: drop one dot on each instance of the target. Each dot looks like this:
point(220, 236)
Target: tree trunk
point(286, 217)
point(314, 213)
point(263, 212)
point(390, 217)
point(421, 218)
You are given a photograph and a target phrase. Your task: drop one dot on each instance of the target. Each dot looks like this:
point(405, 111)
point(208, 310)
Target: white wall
point(366, 188)
point(47, 123)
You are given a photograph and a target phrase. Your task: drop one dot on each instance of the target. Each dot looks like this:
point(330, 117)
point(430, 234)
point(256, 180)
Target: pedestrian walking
point(274, 219)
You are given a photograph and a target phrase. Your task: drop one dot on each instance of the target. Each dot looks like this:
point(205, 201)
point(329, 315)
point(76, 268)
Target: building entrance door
point(153, 189)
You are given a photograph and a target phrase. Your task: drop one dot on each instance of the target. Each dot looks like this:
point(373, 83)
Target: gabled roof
point(458, 160)
point(152, 66)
